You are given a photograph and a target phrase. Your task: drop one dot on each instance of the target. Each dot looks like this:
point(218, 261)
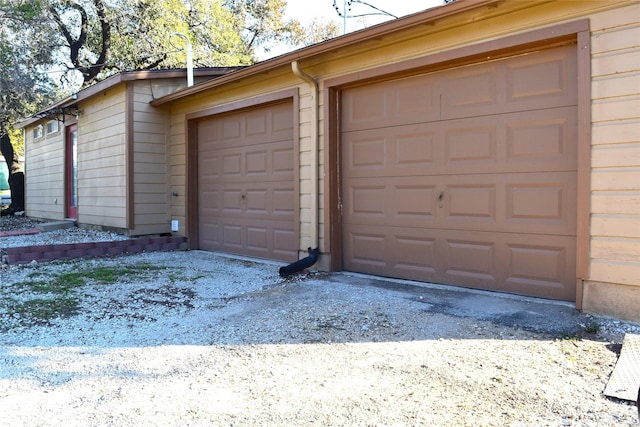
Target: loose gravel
point(195, 338)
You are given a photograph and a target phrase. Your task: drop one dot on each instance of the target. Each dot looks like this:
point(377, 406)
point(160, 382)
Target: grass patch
point(48, 296)
point(40, 311)
point(592, 328)
point(177, 278)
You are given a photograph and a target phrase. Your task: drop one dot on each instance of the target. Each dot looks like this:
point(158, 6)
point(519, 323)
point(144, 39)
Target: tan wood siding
point(615, 197)
point(44, 174)
point(102, 173)
point(150, 164)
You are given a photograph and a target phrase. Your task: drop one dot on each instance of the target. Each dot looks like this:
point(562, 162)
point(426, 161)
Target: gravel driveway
point(192, 338)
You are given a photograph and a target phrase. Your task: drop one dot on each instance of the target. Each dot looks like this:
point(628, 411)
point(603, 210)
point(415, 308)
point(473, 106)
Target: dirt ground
point(191, 338)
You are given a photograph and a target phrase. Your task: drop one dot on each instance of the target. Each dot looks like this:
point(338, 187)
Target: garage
point(246, 182)
point(466, 176)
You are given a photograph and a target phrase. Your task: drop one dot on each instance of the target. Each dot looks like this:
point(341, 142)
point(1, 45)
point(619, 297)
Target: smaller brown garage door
point(246, 201)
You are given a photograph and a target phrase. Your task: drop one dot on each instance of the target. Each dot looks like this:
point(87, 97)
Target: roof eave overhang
point(70, 104)
point(420, 18)
point(63, 107)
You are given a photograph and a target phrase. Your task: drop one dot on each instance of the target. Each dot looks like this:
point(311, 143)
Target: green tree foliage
point(23, 57)
point(143, 37)
point(102, 37)
point(85, 30)
point(89, 40)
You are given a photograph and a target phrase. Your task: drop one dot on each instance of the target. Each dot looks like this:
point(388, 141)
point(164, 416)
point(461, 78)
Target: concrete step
point(55, 225)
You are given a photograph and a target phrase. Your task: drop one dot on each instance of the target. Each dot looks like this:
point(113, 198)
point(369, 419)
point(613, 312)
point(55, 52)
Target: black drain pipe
point(300, 264)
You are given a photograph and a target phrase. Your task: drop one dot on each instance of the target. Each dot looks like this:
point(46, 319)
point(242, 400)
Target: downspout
point(315, 137)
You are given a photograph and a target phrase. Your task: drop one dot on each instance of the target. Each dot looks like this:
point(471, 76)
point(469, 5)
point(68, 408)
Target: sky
point(306, 10)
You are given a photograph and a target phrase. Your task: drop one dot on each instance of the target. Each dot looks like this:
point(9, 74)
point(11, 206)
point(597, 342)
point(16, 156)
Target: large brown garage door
point(246, 201)
point(465, 176)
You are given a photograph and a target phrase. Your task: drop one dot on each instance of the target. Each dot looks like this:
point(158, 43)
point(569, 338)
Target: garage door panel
point(269, 200)
point(283, 239)
point(544, 139)
point(414, 148)
point(282, 156)
point(539, 80)
point(530, 82)
point(516, 142)
point(542, 265)
point(367, 200)
point(231, 201)
point(542, 203)
point(415, 103)
point(470, 90)
point(369, 153)
point(532, 203)
point(390, 201)
point(413, 202)
point(367, 247)
point(481, 194)
point(403, 252)
point(246, 169)
point(405, 150)
point(257, 202)
point(211, 162)
point(257, 238)
point(521, 263)
point(393, 103)
point(251, 127)
point(231, 165)
point(537, 203)
point(471, 202)
point(269, 239)
point(471, 143)
point(414, 253)
point(231, 236)
point(471, 261)
point(256, 123)
point(283, 202)
point(257, 163)
point(273, 162)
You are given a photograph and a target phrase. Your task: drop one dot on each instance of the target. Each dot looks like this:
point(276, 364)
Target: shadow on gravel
point(199, 298)
point(537, 315)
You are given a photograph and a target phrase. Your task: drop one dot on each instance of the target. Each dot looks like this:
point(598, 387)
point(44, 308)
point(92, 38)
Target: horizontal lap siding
point(150, 182)
point(306, 183)
point(102, 198)
point(615, 173)
point(44, 175)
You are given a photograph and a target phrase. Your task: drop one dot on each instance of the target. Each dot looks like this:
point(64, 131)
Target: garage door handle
point(440, 196)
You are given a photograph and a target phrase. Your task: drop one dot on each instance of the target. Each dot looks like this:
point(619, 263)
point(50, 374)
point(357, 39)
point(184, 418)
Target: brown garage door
point(465, 176)
point(246, 177)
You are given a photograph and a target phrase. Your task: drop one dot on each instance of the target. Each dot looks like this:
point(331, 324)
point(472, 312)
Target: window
point(38, 132)
point(52, 126)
